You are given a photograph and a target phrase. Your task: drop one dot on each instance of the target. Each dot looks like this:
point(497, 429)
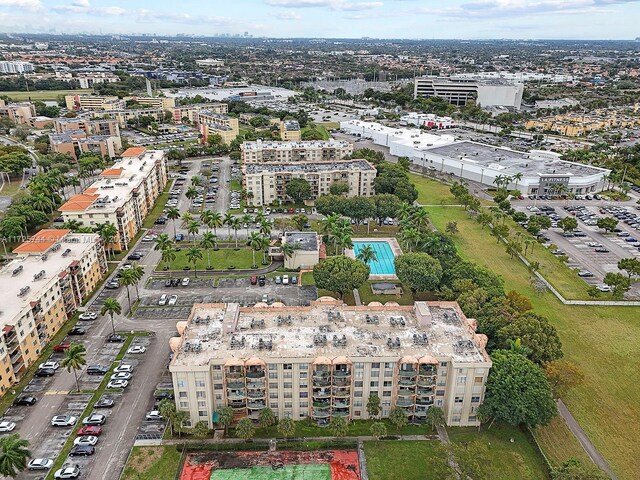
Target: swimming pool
point(384, 262)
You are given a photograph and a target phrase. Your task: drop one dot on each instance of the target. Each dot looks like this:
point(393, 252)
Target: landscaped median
point(221, 259)
point(64, 453)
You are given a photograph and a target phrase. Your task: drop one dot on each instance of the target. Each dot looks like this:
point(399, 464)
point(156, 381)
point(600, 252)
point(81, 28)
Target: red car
point(62, 347)
point(254, 280)
point(291, 210)
point(90, 430)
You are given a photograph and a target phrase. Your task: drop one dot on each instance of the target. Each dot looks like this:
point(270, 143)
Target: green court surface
point(290, 472)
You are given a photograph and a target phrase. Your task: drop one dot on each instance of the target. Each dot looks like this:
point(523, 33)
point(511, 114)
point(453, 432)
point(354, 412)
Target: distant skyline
point(410, 19)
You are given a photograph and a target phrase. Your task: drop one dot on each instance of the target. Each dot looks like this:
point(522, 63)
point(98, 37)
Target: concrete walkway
point(364, 438)
point(582, 437)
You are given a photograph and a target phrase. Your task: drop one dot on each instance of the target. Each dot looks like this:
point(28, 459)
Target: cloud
point(287, 15)
point(338, 5)
point(22, 4)
point(81, 3)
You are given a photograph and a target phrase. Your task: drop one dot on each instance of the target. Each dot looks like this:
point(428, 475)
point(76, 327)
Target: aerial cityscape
point(319, 239)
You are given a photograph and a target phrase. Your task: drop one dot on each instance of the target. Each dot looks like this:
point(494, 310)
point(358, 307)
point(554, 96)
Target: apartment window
point(182, 394)
point(303, 366)
point(202, 404)
point(217, 386)
point(472, 418)
point(386, 393)
point(374, 383)
point(202, 413)
point(287, 366)
point(181, 384)
point(273, 385)
point(455, 418)
point(475, 399)
point(303, 375)
point(458, 400)
point(273, 404)
point(184, 404)
point(462, 380)
point(288, 405)
point(357, 413)
point(388, 365)
point(443, 364)
point(387, 384)
point(304, 404)
point(217, 367)
point(200, 394)
point(358, 384)
point(273, 395)
point(273, 366)
point(359, 366)
point(273, 374)
point(288, 395)
point(200, 383)
point(287, 384)
point(440, 393)
point(477, 380)
point(304, 394)
point(388, 373)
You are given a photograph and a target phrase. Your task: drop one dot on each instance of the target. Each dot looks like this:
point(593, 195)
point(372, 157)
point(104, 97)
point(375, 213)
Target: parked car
point(137, 349)
point(94, 419)
point(112, 285)
point(115, 338)
point(51, 364)
point(254, 280)
point(82, 450)
point(278, 280)
point(134, 256)
point(585, 273)
point(97, 370)
point(121, 376)
point(594, 244)
point(63, 421)
point(67, 471)
point(88, 316)
point(90, 430)
point(172, 300)
point(45, 372)
point(602, 250)
point(163, 395)
point(7, 427)
point(168, 282)
point(294, 280)
point(86, 440)
point(27, 400)
point(185, 281)
point(124, 368)
point(118, 384)
point(262, 280)
point(285, 279)
point(163, 299)
point(179, 237)
point(104, 402)
point(153, 416)
point(604, 288)
point(43, 463)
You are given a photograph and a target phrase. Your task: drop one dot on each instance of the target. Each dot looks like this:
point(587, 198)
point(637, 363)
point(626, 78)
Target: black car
point(77, 331)
point(163, 395)
point(262, 280)
point(97, 370)
point(104, 402)
point(115, 338)
point(45, 372)
point(134, 256)
point(168, 282)
point(82, 450)
point(25, 400)
point(602, 250)
point(175, 282)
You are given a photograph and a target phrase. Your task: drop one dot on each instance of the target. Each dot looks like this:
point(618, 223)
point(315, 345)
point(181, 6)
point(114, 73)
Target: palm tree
point(411, 236)
point(193, 227)
point(236, 224)
point(345, 241)
point(289, 248)
point(367, 254)
point(73, 182)
point(329, 223)
point(205, 217)
point(162, 242)
point(191, 194)
point(435, 417)
point(215, 221)
point(246, 220)
point(405, 211)
point(41, 202)
point(517, 177)
point(13, 455)
point(420, 218)
point(196, 181)
point(169, 255)
point(128, 278)
point(265, 228)
point(167, 409)
point(108, 233)
point(179, 419)
point(255, 242)
point(112, 307)
point(173, 214)
point(193, 255)
point(266, 241)
point(138, 274)
point(74, 359)
point(228, 220)
point(208, 242)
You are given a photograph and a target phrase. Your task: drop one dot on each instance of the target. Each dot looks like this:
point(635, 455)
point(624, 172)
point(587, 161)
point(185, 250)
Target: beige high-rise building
point(90, 126)
point(93, 102)
point(290, 130)
point(325, 360)
point(190, 113)
point(211, 123)
point(292, 152)
point(55, 270)
point(123, 196)
point(20, 113)
point(266, 183)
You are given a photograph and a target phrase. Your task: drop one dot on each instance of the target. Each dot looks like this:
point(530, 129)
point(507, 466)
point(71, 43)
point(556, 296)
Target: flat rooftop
point(294, 145)
point(307, 241)
point(327, 328)
point(114, 188)
point(49, 251)
point(383, 135)
point(530, 164)
point(310, 167)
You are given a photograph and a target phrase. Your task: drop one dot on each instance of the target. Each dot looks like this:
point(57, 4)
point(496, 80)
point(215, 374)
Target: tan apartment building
point(266, 183)
point(577, 125)
point(123, 195)
point(125, 115)
point(210, 123)
point(98, 126)
point(93, 102)
point(290, 130)
point(55, 270)
point(325, 360)
point(189, 113)
point(19, 113)
point(293, 152)
point(76, 142)
point(165, 103)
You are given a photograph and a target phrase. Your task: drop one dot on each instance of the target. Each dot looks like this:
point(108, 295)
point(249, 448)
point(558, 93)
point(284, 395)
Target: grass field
point(156, 211)
point(602, 341)
point(220, 259)
point(151, 463)
point(12, 188)
point(559, 444)
point(329, 125)
point(431, 192)
point(404, 460)
point(43, 94)
point(319, 128)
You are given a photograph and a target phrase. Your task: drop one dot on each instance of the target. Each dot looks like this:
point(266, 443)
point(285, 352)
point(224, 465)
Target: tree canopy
point(419, 271)
point(537, 334)
point(340, 274)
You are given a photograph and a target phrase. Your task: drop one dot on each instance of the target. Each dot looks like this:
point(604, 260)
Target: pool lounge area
point(387, 249)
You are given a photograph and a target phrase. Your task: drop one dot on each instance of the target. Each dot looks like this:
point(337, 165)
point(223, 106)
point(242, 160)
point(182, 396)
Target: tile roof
point(134, 151)
point(42, 241)
point(82, 201)
point(112, 172)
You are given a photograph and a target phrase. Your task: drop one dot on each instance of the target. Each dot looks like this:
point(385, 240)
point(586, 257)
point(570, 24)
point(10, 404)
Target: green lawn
point(559, 444)
point(510, 452)
point(318, 128)
point(329, 125)
point(152, 463)
point(367, 296)
point(431, 192)
point(220, 259)
point(602, 341)
point(12, 188)
point(404, 460)
point(43, 94)
point(156, 211)
point(236, 185)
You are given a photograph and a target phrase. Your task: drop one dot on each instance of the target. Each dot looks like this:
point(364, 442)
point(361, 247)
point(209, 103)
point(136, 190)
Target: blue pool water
point(384, 263)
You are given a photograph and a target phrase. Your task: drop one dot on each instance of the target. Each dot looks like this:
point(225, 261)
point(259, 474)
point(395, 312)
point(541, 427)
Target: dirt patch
point(142, 460)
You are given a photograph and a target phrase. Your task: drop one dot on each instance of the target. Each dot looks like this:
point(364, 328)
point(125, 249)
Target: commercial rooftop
point(291, 125)
point(293, 145)
point(42, 258)
point(383, 135)
point(327, 328)
point(530, 164)
point(112, 190)
point(306, 241)
point(254, 168)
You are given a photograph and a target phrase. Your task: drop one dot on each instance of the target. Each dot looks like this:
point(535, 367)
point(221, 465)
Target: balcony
point(407, 382)
point(321, 382)
point(341, 382)
point(18, 367)
point(426, 382)
point(256, 394)
point(420, 413)
point(340, 413)
point(320, 413)
point(407, 373)
point(406, 392)
point(425, 393)
point(16, 358)
point(236, 395)
point(402, 402)
point(234, 384)
point(255, 385)
point(341, 392)
point(427, 371)
point(341, 404)
point(256, 405)
point(234, 374)
point(325, 404)
point(256, 374)
point(424, 402)
point(322, 393)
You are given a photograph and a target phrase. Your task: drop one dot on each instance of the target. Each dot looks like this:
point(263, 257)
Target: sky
point(412, 19)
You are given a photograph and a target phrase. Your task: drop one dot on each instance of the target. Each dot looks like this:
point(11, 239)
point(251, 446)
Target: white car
point(121, 376)
point(63, 421)
point(163, 300)
point(594, 244)
point(40, 464)
point(89, 316)
point(285, 279)
point(172, 300)
point(604, 288)
point(86, 440)
point(185, 282)
point(124, 368)
point(51, 365)
point(137, 349)
point(118, 384)
point(67, 471)
point(153, 416)
point(7, 427)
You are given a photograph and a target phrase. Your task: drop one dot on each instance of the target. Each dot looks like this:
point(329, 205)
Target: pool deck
point(395, 248)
